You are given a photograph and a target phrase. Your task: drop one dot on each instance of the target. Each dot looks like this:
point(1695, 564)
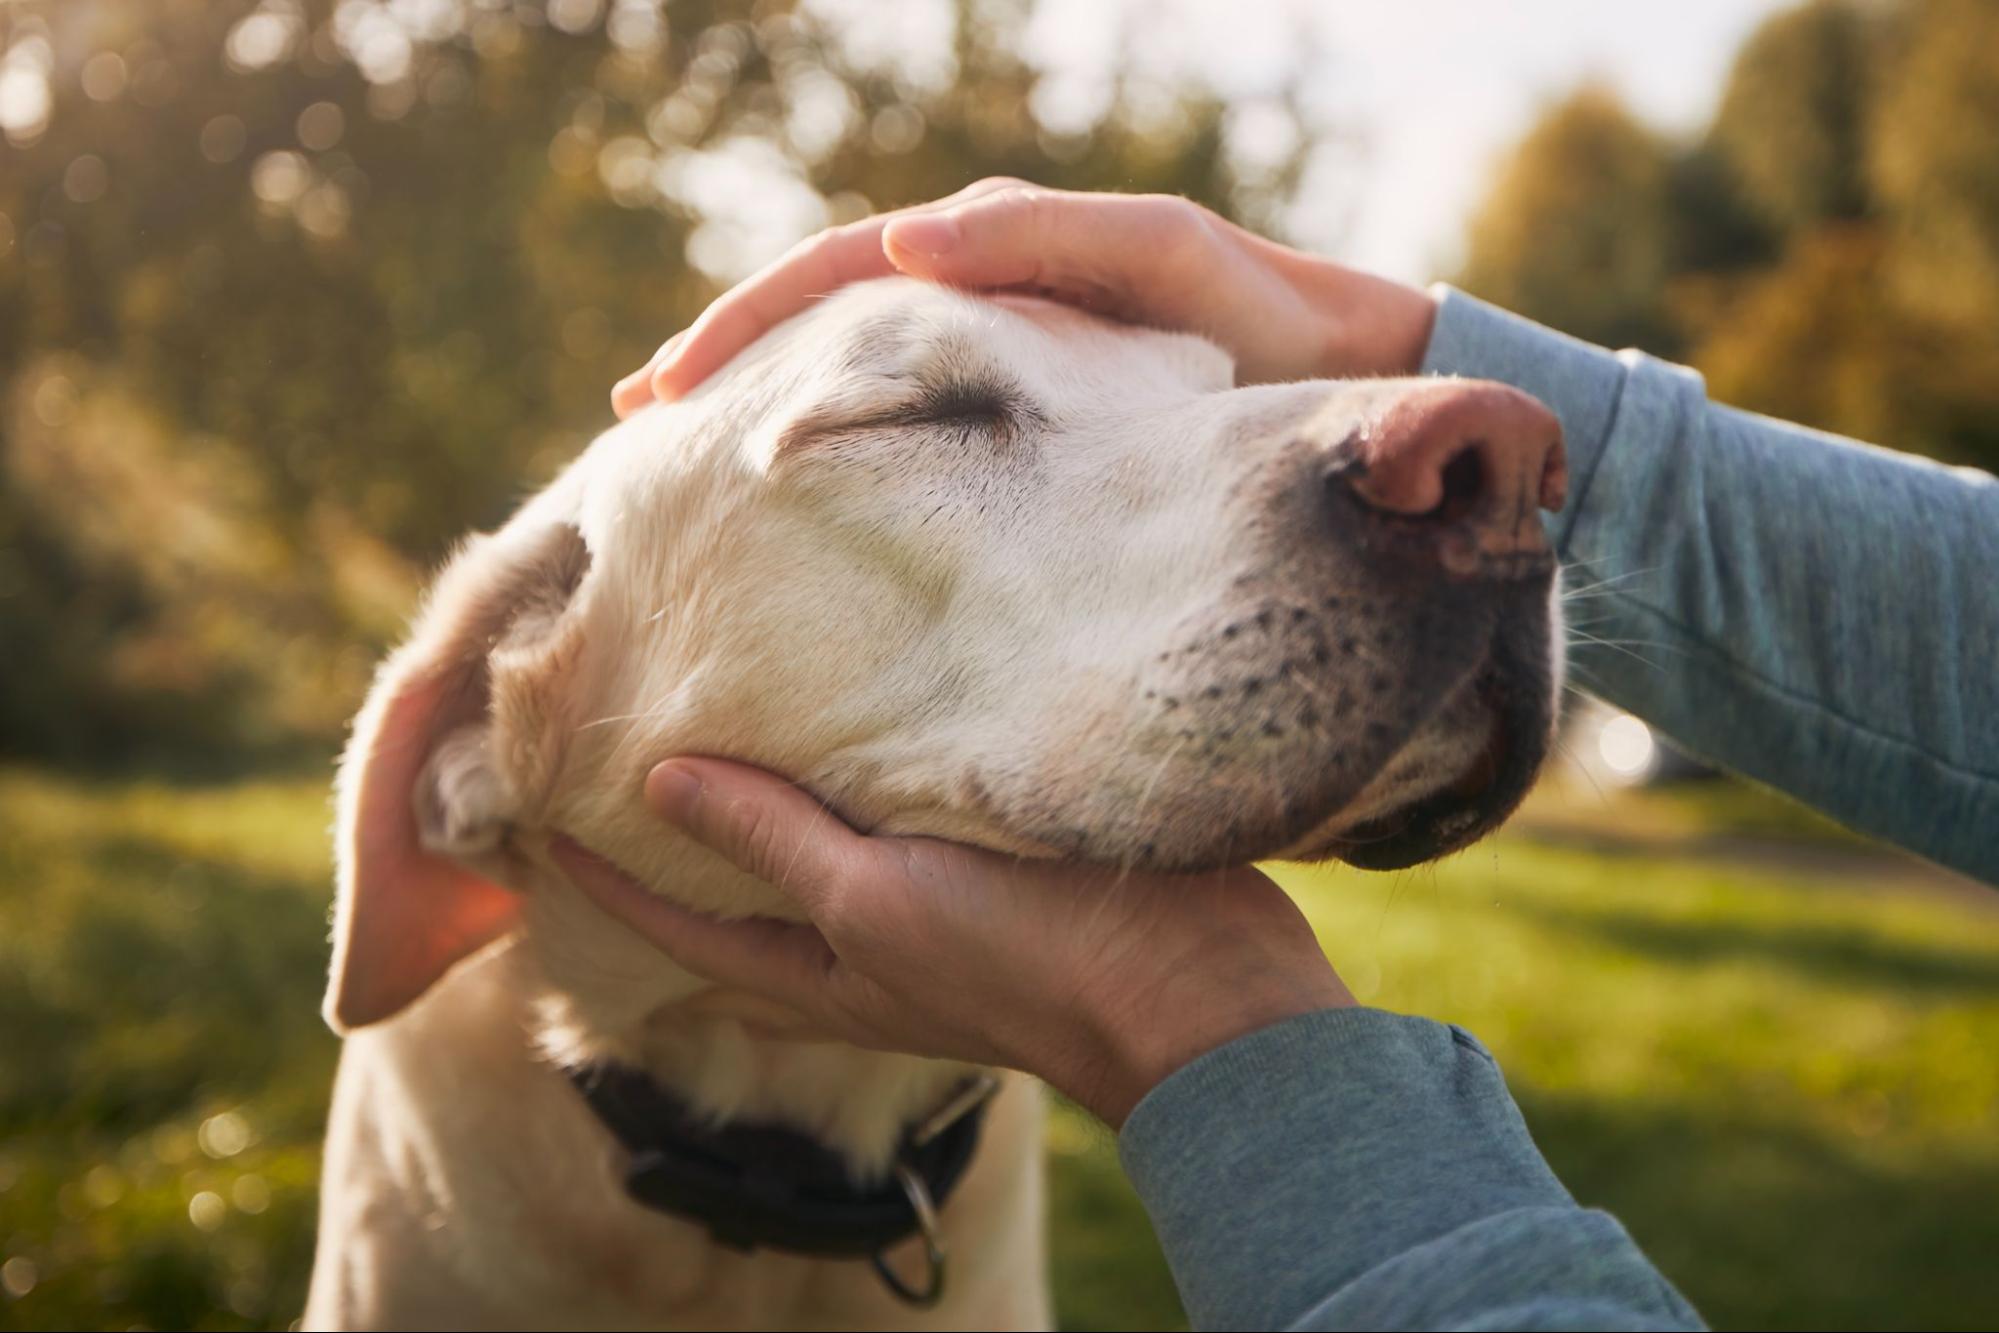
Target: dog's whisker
point(1627, 648)
point(1603, 585)
point(1576, 762)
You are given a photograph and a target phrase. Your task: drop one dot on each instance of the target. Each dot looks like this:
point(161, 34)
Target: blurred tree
point(1827, 251)
point(293, 292)
point(1578, 227)
point(1934, 154)
point(1812, 340)
point(1793, 117)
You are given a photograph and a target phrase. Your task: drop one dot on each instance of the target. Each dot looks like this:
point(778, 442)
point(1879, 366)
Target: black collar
point(762, 1186)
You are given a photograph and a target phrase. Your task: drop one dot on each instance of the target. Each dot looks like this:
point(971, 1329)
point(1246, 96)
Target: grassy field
point(1778, 1063)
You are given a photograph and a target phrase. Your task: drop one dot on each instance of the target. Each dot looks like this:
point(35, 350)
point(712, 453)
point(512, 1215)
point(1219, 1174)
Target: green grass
point(1786, 1082)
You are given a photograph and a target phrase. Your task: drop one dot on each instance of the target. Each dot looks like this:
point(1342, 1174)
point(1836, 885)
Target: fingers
point(782, 959)
point(634, 391)
point(747, 311)
point(810, 269)
point(1095, 249)
point(761, 824)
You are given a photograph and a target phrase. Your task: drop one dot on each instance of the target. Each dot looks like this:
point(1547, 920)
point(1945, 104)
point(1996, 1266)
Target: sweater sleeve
point(1810, 612)
point(1355, 1168)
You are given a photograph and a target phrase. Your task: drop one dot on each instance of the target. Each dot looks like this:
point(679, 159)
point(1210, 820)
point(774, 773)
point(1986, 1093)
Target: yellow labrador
point(986, 569)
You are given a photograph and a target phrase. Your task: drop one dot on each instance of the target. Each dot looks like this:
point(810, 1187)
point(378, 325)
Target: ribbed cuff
point(1288, 1162)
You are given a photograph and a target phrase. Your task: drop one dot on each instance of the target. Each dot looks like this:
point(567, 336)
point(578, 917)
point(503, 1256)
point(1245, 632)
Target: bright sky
point(1433, 89)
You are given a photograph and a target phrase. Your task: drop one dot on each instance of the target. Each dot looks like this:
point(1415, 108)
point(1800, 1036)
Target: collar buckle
point(935, 1256)
point(757, 1185)
point(972, 1096)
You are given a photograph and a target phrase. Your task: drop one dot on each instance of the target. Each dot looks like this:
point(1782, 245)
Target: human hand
point(1100, 982)
point(1156, 260)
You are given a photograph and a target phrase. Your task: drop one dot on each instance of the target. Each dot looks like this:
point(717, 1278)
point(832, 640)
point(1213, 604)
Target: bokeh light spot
point(261, 40)
point(222, 139)
point(24, 101)
point(85, 179)
point(207, 1210)
point(18, 1276)
point(224, 1134)
point(280, 178)
point(1627, 749)
point(574, 16)
point(251, 1193)
point(321, 125)
point(104, 76)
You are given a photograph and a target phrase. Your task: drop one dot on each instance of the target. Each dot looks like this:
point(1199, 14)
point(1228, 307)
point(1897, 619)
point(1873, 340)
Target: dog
point(985, 568)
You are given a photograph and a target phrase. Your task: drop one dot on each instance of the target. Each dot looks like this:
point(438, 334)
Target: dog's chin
point(1458, 812)
point(1408, 814)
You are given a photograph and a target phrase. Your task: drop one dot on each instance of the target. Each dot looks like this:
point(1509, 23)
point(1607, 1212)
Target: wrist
point(1149, 1043)
point(1372, 325)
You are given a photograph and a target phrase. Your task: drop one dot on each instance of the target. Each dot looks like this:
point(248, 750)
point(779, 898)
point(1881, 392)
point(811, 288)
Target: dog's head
point(988, 569)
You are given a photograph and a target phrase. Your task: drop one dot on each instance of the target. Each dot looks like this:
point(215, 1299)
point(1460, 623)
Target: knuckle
point(843, 884)
point(1038, 199)
point(1179, 232)
point(912, 860)
point(807, 250)
point(759, 837)
point(1016, 197)
point(813, 246)
point(995, 184)
point(1175, 218)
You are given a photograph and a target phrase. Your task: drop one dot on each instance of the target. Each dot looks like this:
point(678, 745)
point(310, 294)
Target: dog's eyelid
point(965, 401)
point(996, 404)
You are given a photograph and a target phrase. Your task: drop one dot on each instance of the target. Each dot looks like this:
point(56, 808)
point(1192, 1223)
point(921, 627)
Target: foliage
point(1586, 193)
point(294, 292)
point(1799, 1121)
point(1793, 118)
point(1828, 251)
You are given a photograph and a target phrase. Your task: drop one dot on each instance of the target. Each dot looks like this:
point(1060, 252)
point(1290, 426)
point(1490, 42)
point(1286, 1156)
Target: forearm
point(1813, 613)
point(1356, 1168)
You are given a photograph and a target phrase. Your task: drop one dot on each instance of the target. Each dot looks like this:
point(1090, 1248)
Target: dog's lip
point(1462, 810)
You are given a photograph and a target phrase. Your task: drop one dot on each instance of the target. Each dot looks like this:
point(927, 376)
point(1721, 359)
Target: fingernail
point(931, 234)
point(672, 790)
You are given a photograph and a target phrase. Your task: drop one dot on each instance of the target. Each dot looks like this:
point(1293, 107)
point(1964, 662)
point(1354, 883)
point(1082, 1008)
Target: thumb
point(759, 823)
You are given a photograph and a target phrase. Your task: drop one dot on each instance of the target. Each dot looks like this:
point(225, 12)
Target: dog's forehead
point(894, 326)
point(863, 347)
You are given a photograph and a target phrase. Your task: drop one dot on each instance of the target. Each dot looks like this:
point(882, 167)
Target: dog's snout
point(1463, 468)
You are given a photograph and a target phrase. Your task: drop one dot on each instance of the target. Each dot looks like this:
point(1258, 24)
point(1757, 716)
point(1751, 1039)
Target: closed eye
point(961, 402)
point(991, 408)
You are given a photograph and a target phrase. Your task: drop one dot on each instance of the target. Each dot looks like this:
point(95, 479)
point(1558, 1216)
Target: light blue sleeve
point(1812, 613)
point(1360, 1169)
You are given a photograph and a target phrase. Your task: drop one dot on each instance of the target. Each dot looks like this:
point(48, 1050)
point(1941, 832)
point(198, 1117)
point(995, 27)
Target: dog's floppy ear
point(423, 804)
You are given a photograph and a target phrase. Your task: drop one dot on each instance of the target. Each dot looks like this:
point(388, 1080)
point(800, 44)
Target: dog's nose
point(1467, 465)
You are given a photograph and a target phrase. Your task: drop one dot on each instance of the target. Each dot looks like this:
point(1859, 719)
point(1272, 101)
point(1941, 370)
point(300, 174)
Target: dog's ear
point(424, 800)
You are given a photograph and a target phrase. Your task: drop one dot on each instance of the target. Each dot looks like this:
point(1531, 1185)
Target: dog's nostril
point(1341, 481)
point(1463, 481)
point(1461, 465)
